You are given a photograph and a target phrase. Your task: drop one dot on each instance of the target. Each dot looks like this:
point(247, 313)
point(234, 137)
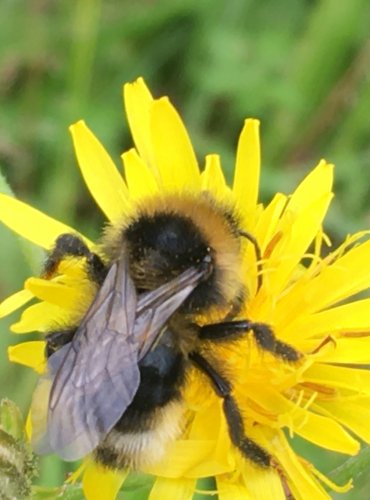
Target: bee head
point(162, 246)
point(170, 234)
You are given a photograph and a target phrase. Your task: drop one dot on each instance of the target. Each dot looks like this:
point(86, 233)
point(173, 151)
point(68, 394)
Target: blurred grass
point(302, 67)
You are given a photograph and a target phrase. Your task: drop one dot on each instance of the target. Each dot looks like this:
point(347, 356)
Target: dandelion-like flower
point(324, 397)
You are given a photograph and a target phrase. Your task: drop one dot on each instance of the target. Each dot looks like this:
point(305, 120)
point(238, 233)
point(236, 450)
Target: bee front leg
point(72, 245)
point(223, 389)
point(263, 334)
point(57, 339)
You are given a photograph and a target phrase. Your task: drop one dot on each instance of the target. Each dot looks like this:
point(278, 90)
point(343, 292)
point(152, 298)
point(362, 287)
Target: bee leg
point(56, 340)
point(223, 389)
point(73, 245)
point(263, 334)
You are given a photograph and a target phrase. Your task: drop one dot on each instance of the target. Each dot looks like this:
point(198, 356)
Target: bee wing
point(155, 308)
point(97, 374)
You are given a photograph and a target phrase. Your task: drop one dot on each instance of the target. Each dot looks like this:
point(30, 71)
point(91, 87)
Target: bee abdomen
point(136, 449)
point(162, 373)
point(153, 419)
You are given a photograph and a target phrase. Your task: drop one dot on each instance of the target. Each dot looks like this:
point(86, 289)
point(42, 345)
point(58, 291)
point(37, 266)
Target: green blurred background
point(301, 66)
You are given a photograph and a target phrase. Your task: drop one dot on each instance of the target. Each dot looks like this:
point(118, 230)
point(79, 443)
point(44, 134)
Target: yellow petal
point(318, 182)
point(354, 414)
point(30, 354)
point(339, 376)
point(191, 458)
point(53, 293)
point(222, 457)
point(28, 426)
point(325, 432)
point(179, 489)
point(345, 277)
point(295, 473)
point(202, 427)
point(140, 179)
point(301, 482)
point(206, 452)
point(72, 269)
point(262, 483)
point(299, 231)
point(339, 350)
point(32, 224)
point(99, 172)
point(99, 483)
point(266, 227)
point(40, 317)
point(325, 480)
point(247, 167)
point(14, 302)
point(39, 410)
point(353, 317)
point(138, 101)
point(174, 154)
point(300, 223)
point(213, 179)
point(315, 428)
point(226, 490)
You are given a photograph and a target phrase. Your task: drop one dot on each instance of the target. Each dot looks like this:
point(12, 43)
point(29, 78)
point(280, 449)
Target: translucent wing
point(154, 308)
point(97, 374)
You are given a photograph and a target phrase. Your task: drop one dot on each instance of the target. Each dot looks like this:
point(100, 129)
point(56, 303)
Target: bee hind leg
point(223, 389)
point(72, 245)
point(263, 334)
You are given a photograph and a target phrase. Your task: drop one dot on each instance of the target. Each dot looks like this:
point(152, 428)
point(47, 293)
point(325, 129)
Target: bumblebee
point(117, 377)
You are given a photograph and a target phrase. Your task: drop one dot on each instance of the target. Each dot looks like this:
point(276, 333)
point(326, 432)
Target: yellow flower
point(324, 398)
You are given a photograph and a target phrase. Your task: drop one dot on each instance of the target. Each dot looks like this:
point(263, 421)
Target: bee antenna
point(257, 250)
